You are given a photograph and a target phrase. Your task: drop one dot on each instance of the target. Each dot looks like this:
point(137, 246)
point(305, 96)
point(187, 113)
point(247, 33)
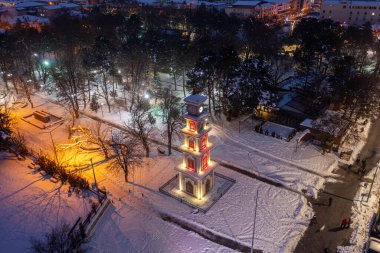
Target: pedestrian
point(364, 164)
point(313, 220)
point(343, 224)
point(357, 161)
point(348, 222)
point(330, 201)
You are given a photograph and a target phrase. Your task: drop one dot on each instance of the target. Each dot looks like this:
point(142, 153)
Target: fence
point(85, 228)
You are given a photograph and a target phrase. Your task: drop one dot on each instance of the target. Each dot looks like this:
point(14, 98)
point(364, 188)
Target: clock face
point(200, 109)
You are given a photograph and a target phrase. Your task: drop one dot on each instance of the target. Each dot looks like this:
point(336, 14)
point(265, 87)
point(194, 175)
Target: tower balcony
point(195, 133)
point(202, 174)
point(196, 151)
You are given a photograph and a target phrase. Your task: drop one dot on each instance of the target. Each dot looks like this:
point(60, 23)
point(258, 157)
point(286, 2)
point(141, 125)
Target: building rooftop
point(195, 99)
point(29, 4)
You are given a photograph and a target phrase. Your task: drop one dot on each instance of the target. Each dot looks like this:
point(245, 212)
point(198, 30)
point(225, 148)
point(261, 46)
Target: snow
point(307, 123)
point(281, 130)
point(30, 204)
point(282, 215)
point(362, 213)
point(29, 4)
point(195, 99)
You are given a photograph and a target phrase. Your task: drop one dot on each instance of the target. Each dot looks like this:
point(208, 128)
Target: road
point(327, 233)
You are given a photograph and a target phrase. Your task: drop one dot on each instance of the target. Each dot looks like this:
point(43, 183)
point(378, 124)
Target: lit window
point(204, 142)
point(192, 126)
point(205, 162)
point(190, 164)
point(191, 143)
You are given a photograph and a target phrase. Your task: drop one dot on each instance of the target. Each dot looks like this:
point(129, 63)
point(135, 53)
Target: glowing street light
point(119, 71)
point(146, 96)
point(35, 54)
point(46, 63)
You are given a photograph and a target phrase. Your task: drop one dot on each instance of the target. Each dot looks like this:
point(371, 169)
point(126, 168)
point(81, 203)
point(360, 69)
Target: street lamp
point(52, 141)
point(373, 179)
point(46, 63)
point(96, 184)
point(254, 220)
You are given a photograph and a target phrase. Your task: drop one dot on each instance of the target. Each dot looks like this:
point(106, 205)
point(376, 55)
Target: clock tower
point(196, 172)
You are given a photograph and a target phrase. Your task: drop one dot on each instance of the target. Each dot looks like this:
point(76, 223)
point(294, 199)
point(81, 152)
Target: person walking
point(343, 224)
point(330, 201)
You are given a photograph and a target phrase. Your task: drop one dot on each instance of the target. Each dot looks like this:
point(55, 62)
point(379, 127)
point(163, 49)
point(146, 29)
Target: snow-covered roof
point(68, 5)
point(331, 122)
point(29, 18)
point(308, 123)
point(29, 4)
point(354, 3)
point(246, 3)
point(195, 99)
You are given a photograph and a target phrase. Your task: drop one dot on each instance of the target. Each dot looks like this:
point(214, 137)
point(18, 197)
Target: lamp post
point(96, 184)
point(373, 180)
point(52, 141)
point(254, 220)
point(101, 107)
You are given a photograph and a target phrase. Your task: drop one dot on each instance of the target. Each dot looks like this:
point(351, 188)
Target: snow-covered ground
point(362, 213)
point(30, 204)
point(282, 216)
point(133, 222)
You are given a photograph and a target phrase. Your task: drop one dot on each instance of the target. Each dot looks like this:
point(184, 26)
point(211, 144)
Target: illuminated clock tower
point(196, 172)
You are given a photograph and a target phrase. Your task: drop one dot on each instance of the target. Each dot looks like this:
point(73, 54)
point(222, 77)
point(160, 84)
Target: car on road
point(373, 245)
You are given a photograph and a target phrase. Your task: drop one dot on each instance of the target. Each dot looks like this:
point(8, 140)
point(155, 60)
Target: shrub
point(51, 167)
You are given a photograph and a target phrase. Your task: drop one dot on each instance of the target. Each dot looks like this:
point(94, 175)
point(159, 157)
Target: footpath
point(327, 233)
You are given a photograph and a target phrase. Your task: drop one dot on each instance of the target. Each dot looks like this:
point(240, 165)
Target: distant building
point(260, 9)
point(351, 12)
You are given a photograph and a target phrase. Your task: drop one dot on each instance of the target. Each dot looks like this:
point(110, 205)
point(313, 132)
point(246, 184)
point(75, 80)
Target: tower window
point(204, 142)
point(192, 126)
point(191, 143)
point(205, 162)
point(190, 164)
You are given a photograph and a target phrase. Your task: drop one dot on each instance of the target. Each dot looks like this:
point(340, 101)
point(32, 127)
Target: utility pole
point(254, 220)
point(96, 184)
point(373, 180)
point(52, 141)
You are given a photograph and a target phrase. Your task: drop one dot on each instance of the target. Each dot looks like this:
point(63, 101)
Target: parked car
point(375, 228)
point(373, 245)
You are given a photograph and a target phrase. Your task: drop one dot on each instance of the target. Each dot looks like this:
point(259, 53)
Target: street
point(327, 233)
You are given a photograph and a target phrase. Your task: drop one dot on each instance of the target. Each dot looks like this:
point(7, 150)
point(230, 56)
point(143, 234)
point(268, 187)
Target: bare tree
point(126, 150)
point(69, 78)
point(60, 240)
point(142, 122)
point(97, 135)
point(171, 112)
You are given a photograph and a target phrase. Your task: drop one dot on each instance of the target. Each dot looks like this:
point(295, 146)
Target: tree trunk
point(146, 146)
point(169, 141)
point(183, 83)
point(126, 175)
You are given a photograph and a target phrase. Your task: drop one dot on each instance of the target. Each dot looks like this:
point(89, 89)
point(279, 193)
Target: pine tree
point(94, 105)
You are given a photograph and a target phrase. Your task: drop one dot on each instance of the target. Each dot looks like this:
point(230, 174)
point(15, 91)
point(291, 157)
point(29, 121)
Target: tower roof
point(195, 99)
